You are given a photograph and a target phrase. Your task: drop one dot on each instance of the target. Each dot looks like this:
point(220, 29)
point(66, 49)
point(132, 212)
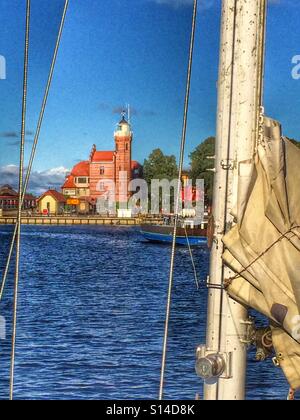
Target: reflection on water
point(91, 318)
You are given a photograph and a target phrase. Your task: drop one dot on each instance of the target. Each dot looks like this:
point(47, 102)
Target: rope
point(21, 169)
point(267, 340)
point(181, 162)
point(35, 142)
point(262, 26)
point(192, 259)
point(283, 236)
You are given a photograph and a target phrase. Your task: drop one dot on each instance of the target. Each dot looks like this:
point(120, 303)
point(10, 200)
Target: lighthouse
point(123, 166)
point(105, 173)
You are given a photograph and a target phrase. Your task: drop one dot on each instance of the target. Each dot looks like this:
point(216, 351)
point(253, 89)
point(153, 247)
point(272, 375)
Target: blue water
point(91, 318)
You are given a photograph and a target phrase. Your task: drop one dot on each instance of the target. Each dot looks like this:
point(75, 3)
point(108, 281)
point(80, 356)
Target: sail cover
point(263, 248)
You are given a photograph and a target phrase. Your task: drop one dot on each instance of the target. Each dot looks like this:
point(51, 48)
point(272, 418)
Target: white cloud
point(40, 181)
point(9, 174)
point(61, 170)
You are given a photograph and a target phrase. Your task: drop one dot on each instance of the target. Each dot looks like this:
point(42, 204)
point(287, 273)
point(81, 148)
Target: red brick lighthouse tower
point(123, 140)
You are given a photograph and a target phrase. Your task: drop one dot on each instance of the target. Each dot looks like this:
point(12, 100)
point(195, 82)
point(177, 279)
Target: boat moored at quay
point(188, 233)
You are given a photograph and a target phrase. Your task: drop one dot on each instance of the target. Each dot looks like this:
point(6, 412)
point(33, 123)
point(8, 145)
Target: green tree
point(200, 164)
point(160, 166)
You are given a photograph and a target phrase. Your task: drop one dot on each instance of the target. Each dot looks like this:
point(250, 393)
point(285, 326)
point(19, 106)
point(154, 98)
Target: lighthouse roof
point(123, 121)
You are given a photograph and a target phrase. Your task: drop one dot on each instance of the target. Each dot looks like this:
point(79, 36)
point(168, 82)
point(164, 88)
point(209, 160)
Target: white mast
point(239, 100)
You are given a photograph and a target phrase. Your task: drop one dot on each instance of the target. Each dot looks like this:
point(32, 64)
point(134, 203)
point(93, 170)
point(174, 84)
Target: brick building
point(101, 174)
point(9, 199)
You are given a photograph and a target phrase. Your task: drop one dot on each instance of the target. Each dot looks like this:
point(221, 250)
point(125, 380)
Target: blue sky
point(115, 52)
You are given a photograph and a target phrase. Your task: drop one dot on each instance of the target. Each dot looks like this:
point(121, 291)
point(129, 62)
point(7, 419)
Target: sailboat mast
point(239, 104)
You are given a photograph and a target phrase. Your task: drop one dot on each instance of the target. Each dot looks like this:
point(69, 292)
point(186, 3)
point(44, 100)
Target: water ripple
point(91, 318)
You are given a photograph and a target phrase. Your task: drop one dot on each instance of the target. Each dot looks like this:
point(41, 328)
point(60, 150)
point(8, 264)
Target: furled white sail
point(264, 247)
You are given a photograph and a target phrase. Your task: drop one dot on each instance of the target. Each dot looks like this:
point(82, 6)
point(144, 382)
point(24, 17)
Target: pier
point(80, 220)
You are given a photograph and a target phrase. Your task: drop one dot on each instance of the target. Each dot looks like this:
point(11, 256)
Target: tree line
point(161, 166)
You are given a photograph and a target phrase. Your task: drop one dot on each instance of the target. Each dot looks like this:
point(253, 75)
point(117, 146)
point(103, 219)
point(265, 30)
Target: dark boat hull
point(164, 234)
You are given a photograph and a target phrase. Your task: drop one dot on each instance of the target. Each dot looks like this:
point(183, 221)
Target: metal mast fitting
point(240, 89)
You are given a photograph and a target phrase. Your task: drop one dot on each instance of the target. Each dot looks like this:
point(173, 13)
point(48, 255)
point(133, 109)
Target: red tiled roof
point(69, 182)
point(103, 156)
point(135, 165)
point(81, 169)
point(56, 195)
point(7, 192)
point(16, 198)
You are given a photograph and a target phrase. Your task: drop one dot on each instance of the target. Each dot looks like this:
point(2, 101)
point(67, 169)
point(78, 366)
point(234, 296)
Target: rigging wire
point(289, 235)
point(35, 143)
point(181, 162)
point(192, 260)
point(21, 169)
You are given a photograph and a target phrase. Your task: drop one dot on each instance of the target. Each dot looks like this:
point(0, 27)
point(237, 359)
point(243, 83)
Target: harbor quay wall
point(80, 220)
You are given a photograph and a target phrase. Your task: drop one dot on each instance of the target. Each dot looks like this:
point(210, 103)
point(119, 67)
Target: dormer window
point(82, 180)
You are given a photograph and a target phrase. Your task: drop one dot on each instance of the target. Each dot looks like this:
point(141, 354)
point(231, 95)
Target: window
point(126, 146)
point(101, 186)
point(102, 170)
point(82, 180)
